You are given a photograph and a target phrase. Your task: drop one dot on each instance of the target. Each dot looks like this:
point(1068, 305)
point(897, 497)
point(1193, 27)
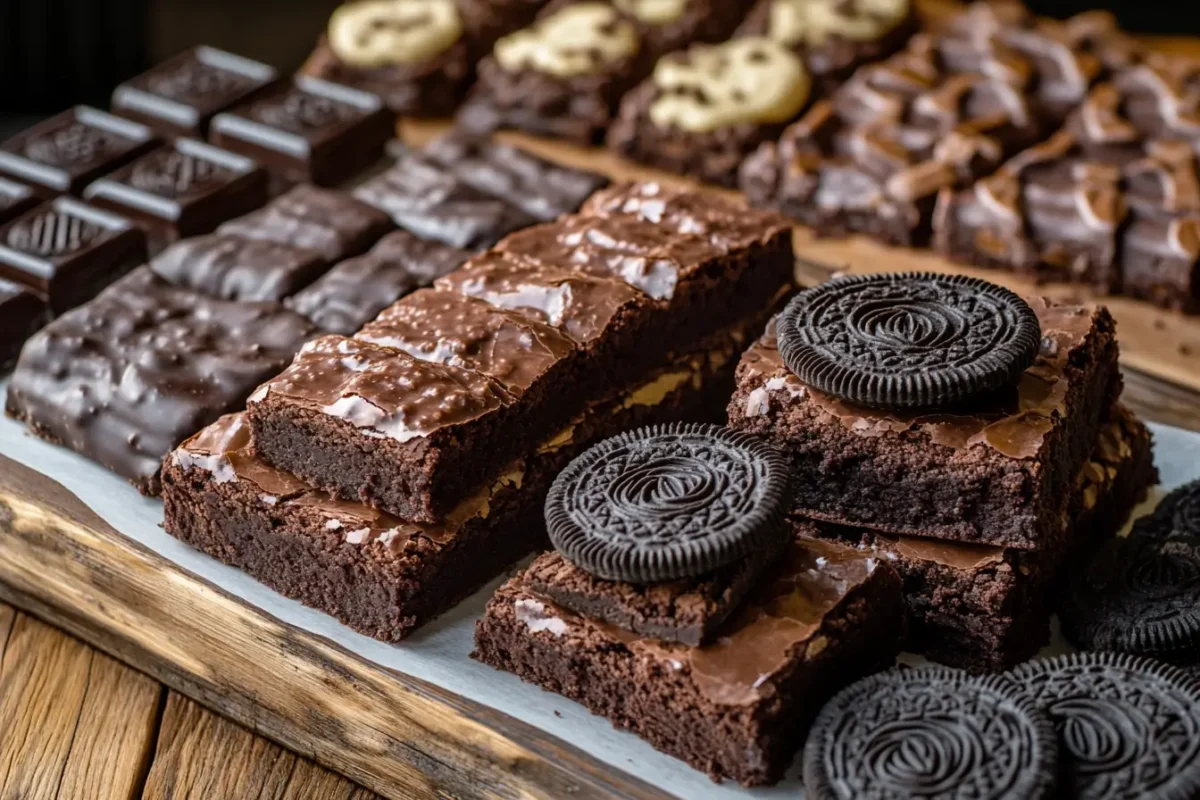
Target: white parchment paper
point(438, 652)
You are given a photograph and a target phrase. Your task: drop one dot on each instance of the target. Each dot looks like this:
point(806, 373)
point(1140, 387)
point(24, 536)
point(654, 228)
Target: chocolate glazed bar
point(564, 75)
point(410, 416)
point(418, 55)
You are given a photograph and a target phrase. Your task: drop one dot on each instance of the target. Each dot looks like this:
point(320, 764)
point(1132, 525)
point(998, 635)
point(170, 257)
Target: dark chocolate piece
point(308, 130)
point(15, 199)
point(931, 731)
point(232, 268)
point(1127, 727)
point(908, 340)
point(21, 313)
point(181, 95)
point(70, 150)
point(185, 189)
point(68, 251)
point(668, 503)
point(354, 292)
point(330, 222)
point(429, 201)
point(125, 378)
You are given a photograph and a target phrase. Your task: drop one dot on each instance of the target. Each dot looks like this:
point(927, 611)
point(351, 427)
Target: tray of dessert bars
point(475, 463)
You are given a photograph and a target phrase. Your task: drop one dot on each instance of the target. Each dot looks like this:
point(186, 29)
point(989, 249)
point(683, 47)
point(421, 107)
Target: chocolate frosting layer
point(233, 268)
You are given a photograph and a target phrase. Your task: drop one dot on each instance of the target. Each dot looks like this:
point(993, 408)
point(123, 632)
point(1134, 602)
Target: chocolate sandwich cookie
point(1127, 727)
point(908, 340)
point(669, 502)
point(931, 732)
point(1139, 595)
point(1178, 515)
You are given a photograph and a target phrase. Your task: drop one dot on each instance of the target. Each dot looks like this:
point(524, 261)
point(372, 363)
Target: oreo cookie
point(1177, 515)
point(669, 502)
point(1139, 595)
point(931, 732)
point(1128, 727)
point(908, 340)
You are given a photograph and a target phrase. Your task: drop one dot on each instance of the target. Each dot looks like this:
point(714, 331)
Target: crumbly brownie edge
point(751, 744)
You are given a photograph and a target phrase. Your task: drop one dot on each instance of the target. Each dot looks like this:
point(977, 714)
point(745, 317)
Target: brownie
point(327, 221)
point(232, 268)
point(186, 188)
point(1160, 261)
point(354, 292)
point(872, 158)
point(418, 56)
point(542, 189)
point(381, 576)
point(564, 75)
point(1156, 99)
point(987, 608)
point(15, 199)
point(125, 378)
point(21, 313)
point(181, 95)
point(431, 202)
point(68, 151)
point(990, 472)
point(307, 130)
point(67, 251)
point(823, 616)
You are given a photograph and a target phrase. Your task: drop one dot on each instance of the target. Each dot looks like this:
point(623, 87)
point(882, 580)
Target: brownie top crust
point(779, 619)
point(1015, 423)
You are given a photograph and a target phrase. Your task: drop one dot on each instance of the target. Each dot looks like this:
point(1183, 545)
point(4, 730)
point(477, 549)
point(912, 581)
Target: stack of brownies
point(385, 475)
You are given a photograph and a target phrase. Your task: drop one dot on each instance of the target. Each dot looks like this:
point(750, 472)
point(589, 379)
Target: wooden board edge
point(394, 734)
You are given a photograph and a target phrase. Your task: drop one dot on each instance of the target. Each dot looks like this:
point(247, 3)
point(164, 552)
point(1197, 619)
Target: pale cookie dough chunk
point(813, 22)
point(377, 33)
point(580, 39)
point(653, 12)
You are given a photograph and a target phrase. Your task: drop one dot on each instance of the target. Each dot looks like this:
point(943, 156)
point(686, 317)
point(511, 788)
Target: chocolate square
point(21, 313)
point(68, 151)
point(183, 189)
point(68, 251)
point(181, 95)
point(308, 130)
point(15, 199)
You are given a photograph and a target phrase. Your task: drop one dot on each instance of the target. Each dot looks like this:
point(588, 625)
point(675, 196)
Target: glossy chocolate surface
point(232, 268)
point(15, 199)
point(21, 313)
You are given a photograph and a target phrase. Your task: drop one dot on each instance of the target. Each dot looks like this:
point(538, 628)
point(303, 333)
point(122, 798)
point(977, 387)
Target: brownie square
point(186, 188)
point(329, 222)
point(125, 378)
point(21, 313)
point(68, 151)
point(233, 268)
point(992, 472)
point(822, 616)
point(1160, 261)
point(181, 95)
point(15, 199)
point(67, 251)
point(354, 292)
point(987, 608)
point(431, 202)
point(308, 131)
point(543, 189)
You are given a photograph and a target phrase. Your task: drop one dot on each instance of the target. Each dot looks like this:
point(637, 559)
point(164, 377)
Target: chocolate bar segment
point(308, 131)
point(184, 189)
point(155, 363)
point(232, 268)
point(68, 151)
point(21, 313)
point(181, 95)
point(15, 199)
point(67, 251)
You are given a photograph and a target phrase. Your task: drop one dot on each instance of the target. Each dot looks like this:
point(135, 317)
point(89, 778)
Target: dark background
point(54, 53)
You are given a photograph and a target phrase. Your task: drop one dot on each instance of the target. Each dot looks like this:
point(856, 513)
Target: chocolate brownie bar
point(21, 313)
point(308, 131)
point(564, 75)
point(822, 616)
point(125, 378)
point(428, 200)
point(15, 199)
point(70, 150)
point(375, 573)
point(1155, 99)
point(872, 158)
point(233, 268)
point(990, 472)
point(67, 251)
point(330, 222)
point(543, 189)
point(354, 292)
point(988, 608)
point(184, 189)
point(418, 55)
point(181, 95)
point(1160, 262)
